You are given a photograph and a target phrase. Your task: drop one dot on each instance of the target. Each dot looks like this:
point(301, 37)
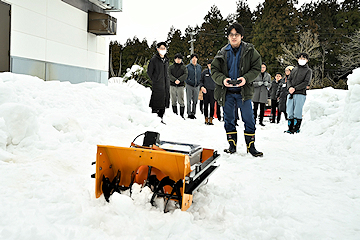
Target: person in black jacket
point(282, 92)
point(158, 73)
point(274, 103)
point(297, 83)
point(207, 86)
point(177, 74)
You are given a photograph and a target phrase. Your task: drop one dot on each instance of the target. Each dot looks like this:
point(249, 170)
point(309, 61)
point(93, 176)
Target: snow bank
point(335, 114)
point(48, 137)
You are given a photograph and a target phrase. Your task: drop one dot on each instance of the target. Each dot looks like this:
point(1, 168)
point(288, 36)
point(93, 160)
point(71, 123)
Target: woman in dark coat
point(158, 73)
point(282, 92)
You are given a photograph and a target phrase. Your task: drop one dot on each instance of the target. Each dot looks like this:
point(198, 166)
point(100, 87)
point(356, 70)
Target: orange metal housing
point(110, 159)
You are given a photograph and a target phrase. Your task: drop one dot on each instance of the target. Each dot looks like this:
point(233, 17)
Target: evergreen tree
point(348, 17)
point(244, 16)
point(277, 25)
point(135, 52)
point(176, 43)
point(211, 36)
point(307, 20)
point(330, 35)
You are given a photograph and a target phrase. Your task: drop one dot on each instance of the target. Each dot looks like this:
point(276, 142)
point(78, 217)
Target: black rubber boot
point(291, 126)
point(182, 110)
point(232, 139)
point(174, 109)
point(250, 145)
point(297, 124)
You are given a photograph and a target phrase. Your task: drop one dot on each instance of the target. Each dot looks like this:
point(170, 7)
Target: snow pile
point(305, 186)
point(335, 114)
point(135, 70)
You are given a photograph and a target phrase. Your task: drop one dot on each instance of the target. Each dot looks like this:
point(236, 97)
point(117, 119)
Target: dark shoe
point(297, 124)
point(232, 139)
point(261, 124)
point(250, 145)
point(182, 110)
point(191, 116)
point(175, 109)
point(291, 126)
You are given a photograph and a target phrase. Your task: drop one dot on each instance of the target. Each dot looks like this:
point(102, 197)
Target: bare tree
point(308, 43)
point(351, 58)
point(323, 60)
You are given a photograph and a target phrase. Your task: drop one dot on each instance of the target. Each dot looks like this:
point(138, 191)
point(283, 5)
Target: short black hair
point(178, 55)
point(278, 73)
point(158, 45)
point(304, 55)
point(194, 55)
point(238, 28)
point(264, 64)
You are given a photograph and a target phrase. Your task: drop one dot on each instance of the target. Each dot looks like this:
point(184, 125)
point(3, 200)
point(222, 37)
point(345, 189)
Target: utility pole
point(192, 40)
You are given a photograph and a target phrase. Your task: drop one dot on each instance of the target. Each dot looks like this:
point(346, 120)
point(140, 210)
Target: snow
point(305, 187)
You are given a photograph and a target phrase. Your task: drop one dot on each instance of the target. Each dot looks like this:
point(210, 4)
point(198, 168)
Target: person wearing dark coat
point(297, 83)
point(261, 93)
point(282, 92)
point(192, 85)
point(158, 73)
point(207, 86)
point(233, 69)
point(274, 103)
point(177, 74)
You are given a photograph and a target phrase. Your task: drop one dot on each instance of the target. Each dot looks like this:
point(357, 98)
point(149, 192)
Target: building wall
point(49, 39)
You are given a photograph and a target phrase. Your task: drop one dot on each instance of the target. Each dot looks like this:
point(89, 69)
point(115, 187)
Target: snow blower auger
point(173, 171)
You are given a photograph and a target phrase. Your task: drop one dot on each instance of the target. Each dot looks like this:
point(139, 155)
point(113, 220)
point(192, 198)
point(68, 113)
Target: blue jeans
point(232, 103)
point(295, 105)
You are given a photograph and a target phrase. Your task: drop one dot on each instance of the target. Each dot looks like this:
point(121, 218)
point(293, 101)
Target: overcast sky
point(152, 19)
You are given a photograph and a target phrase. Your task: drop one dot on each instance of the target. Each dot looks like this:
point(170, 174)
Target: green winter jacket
point(249, 68)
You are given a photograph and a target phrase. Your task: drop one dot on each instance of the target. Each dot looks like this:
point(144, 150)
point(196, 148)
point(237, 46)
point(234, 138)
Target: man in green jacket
point(233, 70)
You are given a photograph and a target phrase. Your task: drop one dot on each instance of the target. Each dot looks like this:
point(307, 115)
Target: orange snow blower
point(172, 170)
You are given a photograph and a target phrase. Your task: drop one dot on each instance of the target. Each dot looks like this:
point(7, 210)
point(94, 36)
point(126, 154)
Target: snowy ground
point(305, 187)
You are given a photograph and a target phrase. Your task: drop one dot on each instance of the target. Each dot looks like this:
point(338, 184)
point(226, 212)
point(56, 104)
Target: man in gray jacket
point(261, 84)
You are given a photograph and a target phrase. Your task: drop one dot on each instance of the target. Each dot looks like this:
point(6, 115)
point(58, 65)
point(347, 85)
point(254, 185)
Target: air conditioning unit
point(101, 24)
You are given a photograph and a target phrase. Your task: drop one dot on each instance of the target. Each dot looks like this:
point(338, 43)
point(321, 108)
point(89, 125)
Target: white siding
point(53, 31)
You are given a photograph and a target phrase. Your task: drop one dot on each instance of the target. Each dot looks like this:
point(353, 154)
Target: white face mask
point(162, 52)
point(302, 62)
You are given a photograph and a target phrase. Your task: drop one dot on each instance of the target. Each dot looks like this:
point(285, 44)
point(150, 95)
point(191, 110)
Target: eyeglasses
point(234, 35)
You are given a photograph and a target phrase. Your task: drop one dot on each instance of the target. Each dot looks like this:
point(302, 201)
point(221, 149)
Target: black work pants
point(209, 100)
point(262, 110)
point(274, 106)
